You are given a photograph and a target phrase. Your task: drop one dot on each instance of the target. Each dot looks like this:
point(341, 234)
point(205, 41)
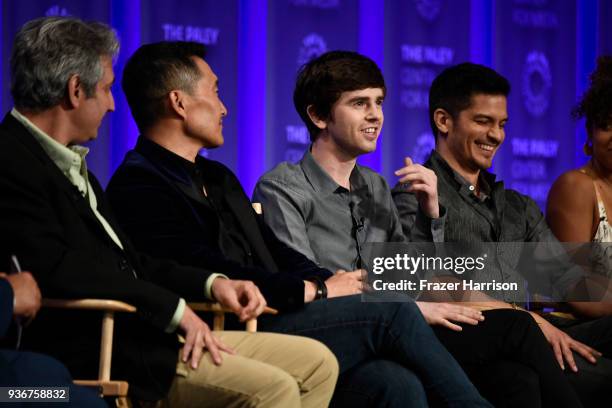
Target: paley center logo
point(428, 9)
point(425, 143)
point(536, 83)
point(313, 45)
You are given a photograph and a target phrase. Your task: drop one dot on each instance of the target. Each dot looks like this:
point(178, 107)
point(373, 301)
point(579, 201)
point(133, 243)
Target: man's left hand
point(242, 297)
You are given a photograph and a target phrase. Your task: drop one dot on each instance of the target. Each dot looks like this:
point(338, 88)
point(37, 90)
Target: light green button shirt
point(71, 162)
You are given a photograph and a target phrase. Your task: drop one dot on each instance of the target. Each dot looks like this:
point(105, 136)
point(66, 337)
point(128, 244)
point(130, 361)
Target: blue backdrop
point(421, 39)
point(539, 59)
point(545, 47)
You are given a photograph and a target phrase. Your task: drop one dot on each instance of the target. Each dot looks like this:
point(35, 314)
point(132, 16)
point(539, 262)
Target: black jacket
point(46, 222)
point(158, 205)
point(6, 306)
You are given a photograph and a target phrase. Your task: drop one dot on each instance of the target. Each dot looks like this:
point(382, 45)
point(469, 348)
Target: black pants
point(592, 382)
point(509, 360)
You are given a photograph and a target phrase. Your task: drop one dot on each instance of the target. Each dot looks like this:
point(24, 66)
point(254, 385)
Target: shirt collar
point(69, 159)
point(168, 159)
point(321, 181)
point(485, 178)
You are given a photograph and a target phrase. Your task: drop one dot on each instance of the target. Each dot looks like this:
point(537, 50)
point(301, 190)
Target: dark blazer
point(46, 222)
point(158, 205)
point(6, 317)
point(6, 306)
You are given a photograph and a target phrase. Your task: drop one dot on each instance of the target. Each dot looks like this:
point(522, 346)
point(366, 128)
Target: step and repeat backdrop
point(546, 48)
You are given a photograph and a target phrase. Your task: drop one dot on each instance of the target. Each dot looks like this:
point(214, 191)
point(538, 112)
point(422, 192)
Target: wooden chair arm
point(216, 307)
point(219, 314)
point(90, 304)
point(118, 306)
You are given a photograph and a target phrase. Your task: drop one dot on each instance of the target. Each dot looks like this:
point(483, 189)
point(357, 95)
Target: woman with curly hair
point(580, 201)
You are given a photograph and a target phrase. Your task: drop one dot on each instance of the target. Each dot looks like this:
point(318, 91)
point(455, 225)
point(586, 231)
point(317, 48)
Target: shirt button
point(472, 188)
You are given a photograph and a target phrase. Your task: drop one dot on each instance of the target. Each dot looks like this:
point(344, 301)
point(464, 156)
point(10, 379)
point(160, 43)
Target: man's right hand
point(198, 337)
point(27, 294)
point(241, 297)
point(345, 283)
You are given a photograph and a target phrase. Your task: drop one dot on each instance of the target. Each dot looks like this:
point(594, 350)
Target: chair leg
point(251, 326)
point(219, 321)
point(106, 346)
point(123, 402)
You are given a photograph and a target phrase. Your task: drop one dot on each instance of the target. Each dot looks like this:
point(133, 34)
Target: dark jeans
point(592, 382)
point(23, 369)
point(507, 352)
point(358, 332)
point(379, 383)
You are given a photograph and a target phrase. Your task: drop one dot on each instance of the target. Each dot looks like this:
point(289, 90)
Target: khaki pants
point(268, 370)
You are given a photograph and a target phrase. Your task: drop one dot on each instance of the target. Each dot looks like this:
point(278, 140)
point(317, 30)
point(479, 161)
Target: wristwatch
point(321, 292)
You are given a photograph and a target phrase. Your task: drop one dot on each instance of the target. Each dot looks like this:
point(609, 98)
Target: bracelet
point(321, 288)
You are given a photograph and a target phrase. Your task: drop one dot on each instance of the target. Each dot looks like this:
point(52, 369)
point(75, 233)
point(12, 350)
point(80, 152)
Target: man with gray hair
point(61, 229)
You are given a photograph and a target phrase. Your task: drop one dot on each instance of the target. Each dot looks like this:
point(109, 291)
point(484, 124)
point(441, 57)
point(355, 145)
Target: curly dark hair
point(596, 103)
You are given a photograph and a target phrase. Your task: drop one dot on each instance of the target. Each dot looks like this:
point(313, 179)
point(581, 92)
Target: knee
point(509, 384)
point(407, 311)
point(324, 363)
point(518, 318)
point(40, 369)
point(380, 383)
point(526, 383)
point(528, 379)
point(401, 384)
point(281, 389)
point(410, 313)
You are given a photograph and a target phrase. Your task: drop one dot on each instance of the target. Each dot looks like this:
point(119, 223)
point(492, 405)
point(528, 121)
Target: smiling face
point(469, 141)
point(204, 111)
point(356, 121)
